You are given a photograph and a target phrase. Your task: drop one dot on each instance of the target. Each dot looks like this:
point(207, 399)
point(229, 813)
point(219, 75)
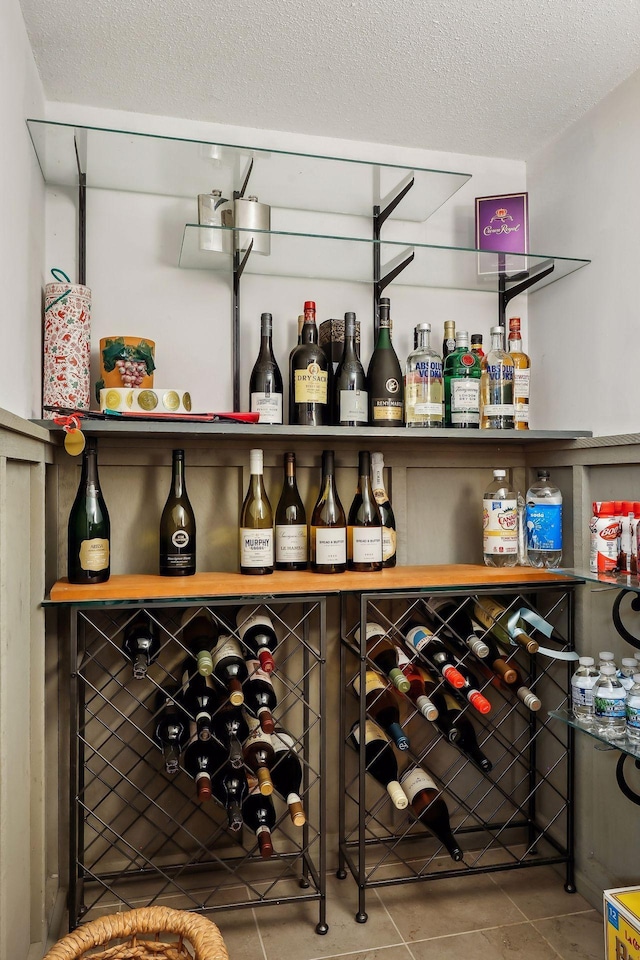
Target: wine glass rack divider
point(527, 798)
point(137, 835)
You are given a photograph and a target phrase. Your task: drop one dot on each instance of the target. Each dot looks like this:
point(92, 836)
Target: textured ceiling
point(470, 76)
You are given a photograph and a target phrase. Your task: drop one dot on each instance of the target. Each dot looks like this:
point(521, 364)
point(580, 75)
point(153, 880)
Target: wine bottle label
point(256, 672)
point(186, 676)
point(500, 526)
point(371, 629)
point(522, 412)
point(310, 384)
point(94, 554)
point(419, 637)
point(226, 647)
point(372, 681)
point(283, 742)
point(415, 780)
point(331, 545)
point(268, 405)
point(465, 400)
point(256, 547)
point(387, 409)
point(291, 543)
point(255, 620)
point(389, 543)
point(371, 732)
point(257, 735)
point(354, 405)
point(367, 544)
point(521, 383)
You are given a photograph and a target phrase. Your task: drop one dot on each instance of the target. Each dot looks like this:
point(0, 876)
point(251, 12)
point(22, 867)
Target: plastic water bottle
point(500, 523)
point(628, 667)
point(544, 522)
point(582, 683)
point(609, 698)
point(606, 658)
point(633, 710)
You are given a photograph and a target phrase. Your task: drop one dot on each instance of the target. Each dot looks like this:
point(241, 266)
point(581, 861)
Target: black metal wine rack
point(138, 836)
point(520, 814)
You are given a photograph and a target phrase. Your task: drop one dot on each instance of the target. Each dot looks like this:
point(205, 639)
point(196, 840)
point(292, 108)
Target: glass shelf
point(621, 581)
point(624, 745)
point(171, 166)
point(319, 257)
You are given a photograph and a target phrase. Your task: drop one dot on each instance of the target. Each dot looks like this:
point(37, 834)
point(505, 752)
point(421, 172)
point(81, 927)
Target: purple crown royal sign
point(502, 226)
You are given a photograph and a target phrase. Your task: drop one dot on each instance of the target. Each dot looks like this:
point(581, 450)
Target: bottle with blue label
point(543, 520)
point(609, 707)
point(633, 710)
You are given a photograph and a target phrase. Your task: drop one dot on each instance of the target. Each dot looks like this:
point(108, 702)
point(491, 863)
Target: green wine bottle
point(89, 531)
point(178, 527)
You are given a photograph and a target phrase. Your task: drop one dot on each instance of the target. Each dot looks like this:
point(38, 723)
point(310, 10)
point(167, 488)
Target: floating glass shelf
point(624, 745)
point(171, 166)
point(621, 581)
point(317, 256)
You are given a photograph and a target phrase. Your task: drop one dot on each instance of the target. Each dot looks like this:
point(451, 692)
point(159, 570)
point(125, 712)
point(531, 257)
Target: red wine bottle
point(231, 729)
point(517, 686)
point(255, 628)
point(229, 667)
point(202, 758)
point(453, 624)
point(229, 787)
point(258, 755)
point(286, 774)
point(171, 729)
point(384, 654)
point(141, 644)
point(380, 760)
point(259, 696)
point(382, 707)
point(200, 698)
point(428, 806)
point(457, 728)
point(471, 690)
point(265, 382)
point(417, 691)
point(259, 815)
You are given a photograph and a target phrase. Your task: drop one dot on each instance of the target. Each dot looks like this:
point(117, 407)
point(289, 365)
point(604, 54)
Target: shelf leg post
point(569, 885)
point(235, 331)
point(322, 926)
point(341, 872)
point(361, 916)
point(376, 269)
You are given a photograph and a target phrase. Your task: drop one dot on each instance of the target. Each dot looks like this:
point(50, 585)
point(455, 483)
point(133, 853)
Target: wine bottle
point(384, 654)
point(382, 707)
point(229, 667)
point(258, 755)
point(200, 698)
point(515, 685)
point(448, 710)
point(89, 531)
point(471, 690)
point(386, 385)
point(291, 522)
point(259, 696)
point(198, 635)
point(364, 532)
point(171, 730)
point(309, 376)
point(265, 382)
point(351, 398)
point(230, 727)
point(286, 774)
point(452, 622)
point(457, 727)
point(417, 691)
point(259, 815)
point(229, 787)
point(435, 653)
point(256, 631)
point(380, 760)
point(386, 511)
point(177, 526)
point(328, 524)
point(256, 523)
point(202, 758)
point(495, 618)
point(141, 643)
point(428, 806)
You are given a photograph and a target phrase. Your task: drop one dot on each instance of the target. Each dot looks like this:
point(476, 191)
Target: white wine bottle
point(328, 524)
point(177, 526)
point(364, 534)
point(256, 523)
point(386, 511)
point(291, 522)
point(89, 532)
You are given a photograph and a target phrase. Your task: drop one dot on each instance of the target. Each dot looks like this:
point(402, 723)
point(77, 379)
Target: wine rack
point(138, 835)
point(520, 813)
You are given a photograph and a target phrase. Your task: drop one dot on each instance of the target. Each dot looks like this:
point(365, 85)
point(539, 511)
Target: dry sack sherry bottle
point(89, 532)
point(351, 398)
point(309, 376)
point(177, 527)
point(328, 524)
point(141, 644)
point(380, 760)
point(364, 533)
point(256, 523)
point(386, 384)
point(429, 808)
point(291, 522)
point(255, 628)
point(171, 730)
point(265, 383)
point(386, 511)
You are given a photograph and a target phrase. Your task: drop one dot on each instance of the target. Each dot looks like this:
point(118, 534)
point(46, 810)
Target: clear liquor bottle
point(521, 375)
point(462, 386)
point(423, 388)
point(496, 386)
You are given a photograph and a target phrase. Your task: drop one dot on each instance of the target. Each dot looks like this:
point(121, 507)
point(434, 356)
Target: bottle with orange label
point(605, 537)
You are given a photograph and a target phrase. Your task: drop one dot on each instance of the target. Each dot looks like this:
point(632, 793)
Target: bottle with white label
point(364, 529)
point(351, 397)
point(265, 383)
point(328, 524)
point(583, 682)
point(500, 523)
point(258, 635)
point(521, 375)
point(543, 520)
point(423, 385)
point(633, 710)
point(382, 707)
point(389, 538)
point(496, 386)
point(428, 806)
point(380, 760)
point(229, 667)
point(291, 522)
point(609, 698)
point(256, 523)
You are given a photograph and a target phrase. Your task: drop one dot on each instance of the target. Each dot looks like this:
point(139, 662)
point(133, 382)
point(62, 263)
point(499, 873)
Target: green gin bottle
point(462, 386)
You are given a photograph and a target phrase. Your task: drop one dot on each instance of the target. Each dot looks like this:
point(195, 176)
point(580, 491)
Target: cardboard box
point(622, 923)
point(331, 338)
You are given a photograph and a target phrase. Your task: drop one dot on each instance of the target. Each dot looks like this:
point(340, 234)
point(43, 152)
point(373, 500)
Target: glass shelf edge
point(624, 746)
point(619, 582)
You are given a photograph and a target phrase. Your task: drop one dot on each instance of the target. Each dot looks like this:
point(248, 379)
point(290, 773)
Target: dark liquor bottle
point(309, 378)
point(259, 755)
point(380, 760)
point(229, 667)
point(230, 727)
point(141, 643)
point(171, 730)
point(434, 652)
point(198, 635)
point(89, 532)
point(292, 549)
point(287, 774)
point(256, 523)
point(462, 386)
point(328, 524)
point(386, 511)
point(177, 527)
point(200, 698)
point(386, 384)
point(265, 383)
point(384, 654)
point(202, 758)
point(429, 808)
point(259, 815)
point(364, 532)
point(257, 633)
point(417, 691)
point(351, 398)
point(382, 707)
point(259, 696)
point(230, 788)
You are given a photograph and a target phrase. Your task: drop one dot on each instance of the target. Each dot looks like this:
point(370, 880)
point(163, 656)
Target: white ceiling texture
point(470, 76)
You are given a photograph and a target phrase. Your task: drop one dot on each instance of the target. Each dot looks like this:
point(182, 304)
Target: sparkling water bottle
point(582, 683)
point(628, 667)
point(500, 523)
point(609, 698)
point(633, 710)
point(544, 522)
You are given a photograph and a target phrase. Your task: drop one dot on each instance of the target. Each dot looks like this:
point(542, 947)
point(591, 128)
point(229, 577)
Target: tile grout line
point(547, 941)
point(464, 933)
point(255, 920)
point(399, 932)
point(357, 953)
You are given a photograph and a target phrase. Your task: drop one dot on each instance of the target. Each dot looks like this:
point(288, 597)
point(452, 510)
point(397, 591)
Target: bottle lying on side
point(380, 759)
point(428, 806)
point(382, 707)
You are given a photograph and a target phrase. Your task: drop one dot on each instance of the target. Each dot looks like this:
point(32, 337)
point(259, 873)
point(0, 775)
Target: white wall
point(22, 222)
point(584, 195)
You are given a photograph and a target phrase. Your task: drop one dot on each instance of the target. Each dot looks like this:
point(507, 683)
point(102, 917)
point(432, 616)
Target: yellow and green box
point(622, 923)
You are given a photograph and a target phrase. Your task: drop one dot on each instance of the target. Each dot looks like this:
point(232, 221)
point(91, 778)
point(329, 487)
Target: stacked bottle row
point(462, 388)
point(217, 724)
point(607, 699)
point(614, 537)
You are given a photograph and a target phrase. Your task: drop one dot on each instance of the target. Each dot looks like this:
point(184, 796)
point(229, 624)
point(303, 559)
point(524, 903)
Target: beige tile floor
point(519, 914)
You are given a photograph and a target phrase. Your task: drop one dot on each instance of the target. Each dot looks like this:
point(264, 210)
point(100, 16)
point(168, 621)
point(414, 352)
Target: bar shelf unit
point(520, 814)
point(139, 836)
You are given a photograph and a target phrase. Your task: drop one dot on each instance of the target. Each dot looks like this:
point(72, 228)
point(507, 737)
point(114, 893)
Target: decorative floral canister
point(126, 362)
point(67, 346)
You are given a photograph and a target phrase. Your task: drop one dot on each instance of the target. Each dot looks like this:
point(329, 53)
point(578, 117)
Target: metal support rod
point(518, 283)
point(82, 215)
point(379, 217)
point(570, 885)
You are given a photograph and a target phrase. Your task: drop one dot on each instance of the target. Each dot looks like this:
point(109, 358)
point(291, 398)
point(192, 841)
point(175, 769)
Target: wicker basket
point(203, 936)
